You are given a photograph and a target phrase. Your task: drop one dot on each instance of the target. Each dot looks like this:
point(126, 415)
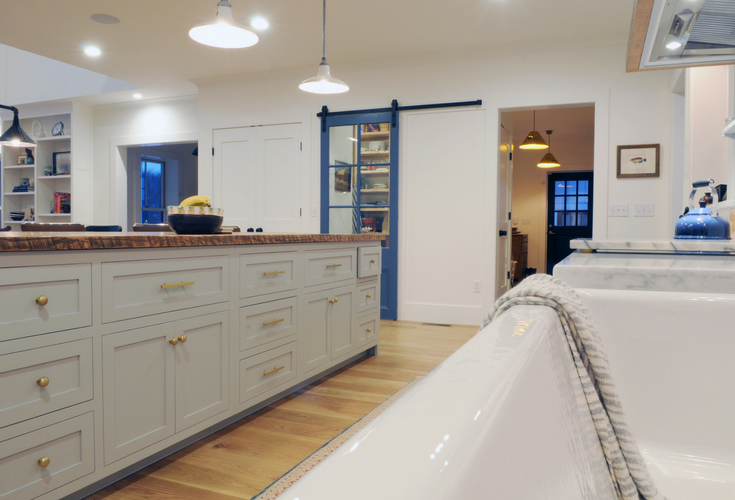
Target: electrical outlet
point(476, 286)
point(643, 210)
point(515, 221)
point(618, 210)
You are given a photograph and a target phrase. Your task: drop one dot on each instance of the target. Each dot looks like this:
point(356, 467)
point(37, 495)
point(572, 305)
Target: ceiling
point(150, 47)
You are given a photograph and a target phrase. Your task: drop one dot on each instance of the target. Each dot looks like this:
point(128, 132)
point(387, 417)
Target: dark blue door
point(359, 187)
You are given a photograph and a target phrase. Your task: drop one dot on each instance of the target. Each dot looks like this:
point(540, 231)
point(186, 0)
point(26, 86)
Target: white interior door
point(257, 177)
point(236, 175)
point(278, 156)
point(505, 185)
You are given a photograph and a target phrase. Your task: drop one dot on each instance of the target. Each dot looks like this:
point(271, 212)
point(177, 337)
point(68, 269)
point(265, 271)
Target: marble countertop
point(45, 241)
point(657, 246)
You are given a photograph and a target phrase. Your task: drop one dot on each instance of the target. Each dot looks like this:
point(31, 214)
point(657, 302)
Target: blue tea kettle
point(702, 223)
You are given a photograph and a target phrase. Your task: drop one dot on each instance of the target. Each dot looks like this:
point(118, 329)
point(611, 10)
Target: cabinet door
point(138, 376)
point(341, 321)
point(202, 380)
point(316, 328)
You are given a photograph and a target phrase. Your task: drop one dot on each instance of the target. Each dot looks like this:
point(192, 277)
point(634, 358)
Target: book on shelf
point(62, 203)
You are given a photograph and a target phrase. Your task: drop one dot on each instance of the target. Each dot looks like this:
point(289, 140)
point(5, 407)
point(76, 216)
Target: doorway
point(573, 145)
point(159, 176)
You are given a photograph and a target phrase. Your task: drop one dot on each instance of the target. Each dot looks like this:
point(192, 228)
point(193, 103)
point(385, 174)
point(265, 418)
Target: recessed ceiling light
point(138, 96)
point(104, 18)
point(92, 51)
point(259, 23)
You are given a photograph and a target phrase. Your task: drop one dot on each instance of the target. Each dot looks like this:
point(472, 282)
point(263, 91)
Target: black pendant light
point(548, 161)
point(534, 139)
point(15, 136)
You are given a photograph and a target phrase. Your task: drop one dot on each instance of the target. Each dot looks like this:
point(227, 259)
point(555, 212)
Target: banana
point(196, 201)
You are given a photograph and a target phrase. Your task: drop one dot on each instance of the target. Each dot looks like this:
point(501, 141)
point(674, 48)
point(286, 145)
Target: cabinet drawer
point(68, 290)
point(263, 323)
point(368, 329)
point(141, 288)
point(368, 261)
point(69, 448)
point(267, 273)
point(266, 371)
point(329, 266)
point(67, 369)
point(368, 296)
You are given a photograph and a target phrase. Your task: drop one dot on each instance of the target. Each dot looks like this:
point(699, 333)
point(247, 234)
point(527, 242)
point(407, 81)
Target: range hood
point(679, 33)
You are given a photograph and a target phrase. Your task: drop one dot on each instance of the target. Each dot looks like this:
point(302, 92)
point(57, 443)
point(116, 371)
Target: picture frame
point(342, 179)
point(639, 160)
point(62, 163)
point(22, 159)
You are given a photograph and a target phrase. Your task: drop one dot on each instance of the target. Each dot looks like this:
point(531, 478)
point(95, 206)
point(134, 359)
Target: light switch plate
point(617, 210)
point(643, 210)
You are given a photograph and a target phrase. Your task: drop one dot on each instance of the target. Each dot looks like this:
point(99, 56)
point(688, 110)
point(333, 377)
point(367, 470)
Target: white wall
point(134, 124)
point(629, 109)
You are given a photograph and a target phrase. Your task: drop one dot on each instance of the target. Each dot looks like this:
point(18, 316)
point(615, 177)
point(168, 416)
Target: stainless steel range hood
point(682, 33)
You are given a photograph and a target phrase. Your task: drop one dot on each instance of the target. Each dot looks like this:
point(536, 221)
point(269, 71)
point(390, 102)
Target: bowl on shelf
point(16, 217)
point(195, 223)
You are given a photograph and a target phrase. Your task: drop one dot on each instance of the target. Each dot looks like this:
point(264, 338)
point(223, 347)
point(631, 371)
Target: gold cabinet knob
point(173, 341)
point(372, 261)
point(334, 300)
point(43, 381)
point(369, 330)
point(44, 461)
point(182, 338)
point(42, 300)
point(369, 296)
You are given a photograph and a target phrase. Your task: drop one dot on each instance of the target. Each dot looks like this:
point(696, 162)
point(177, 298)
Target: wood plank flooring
point(241, 460)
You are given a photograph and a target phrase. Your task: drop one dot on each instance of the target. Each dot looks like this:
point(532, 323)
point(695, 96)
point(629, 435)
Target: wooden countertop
point(45, 241)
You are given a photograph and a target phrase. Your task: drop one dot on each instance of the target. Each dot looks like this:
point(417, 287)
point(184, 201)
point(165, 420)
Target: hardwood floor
point(241, 460)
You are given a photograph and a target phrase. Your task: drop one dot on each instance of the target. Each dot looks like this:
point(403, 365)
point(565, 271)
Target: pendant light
point(15, 136)
point(548, 161)
point(323, 82)
point(534, 139)
point(223, 32)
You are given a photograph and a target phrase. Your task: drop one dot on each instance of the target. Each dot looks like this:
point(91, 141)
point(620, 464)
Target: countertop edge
point(37, 241)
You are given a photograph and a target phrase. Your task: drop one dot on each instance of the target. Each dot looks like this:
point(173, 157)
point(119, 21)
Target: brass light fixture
point(548, 161)
point(534, 139)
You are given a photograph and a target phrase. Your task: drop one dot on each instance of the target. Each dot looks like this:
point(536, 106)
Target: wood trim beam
point(638, 30)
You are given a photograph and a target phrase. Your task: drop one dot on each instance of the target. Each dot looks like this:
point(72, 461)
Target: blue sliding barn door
point(359, 187)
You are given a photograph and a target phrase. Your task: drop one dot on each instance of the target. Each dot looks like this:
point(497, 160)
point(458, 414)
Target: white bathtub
point(502, 418)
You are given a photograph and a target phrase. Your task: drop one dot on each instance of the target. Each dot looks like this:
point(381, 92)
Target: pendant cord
point(324, 31)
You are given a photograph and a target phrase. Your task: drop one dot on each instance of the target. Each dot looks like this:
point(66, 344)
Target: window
point(571, 203)
point(152, 203)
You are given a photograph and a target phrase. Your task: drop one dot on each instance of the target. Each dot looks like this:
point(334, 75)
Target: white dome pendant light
point(323, 82)
point(223, 32)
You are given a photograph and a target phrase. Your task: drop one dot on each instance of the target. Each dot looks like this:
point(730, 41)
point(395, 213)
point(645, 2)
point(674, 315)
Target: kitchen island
point(116, 349)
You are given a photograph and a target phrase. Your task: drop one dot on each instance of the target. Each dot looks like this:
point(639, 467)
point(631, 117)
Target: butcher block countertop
point(45, 241)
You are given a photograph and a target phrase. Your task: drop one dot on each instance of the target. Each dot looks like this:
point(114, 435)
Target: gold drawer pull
point(274, 370)
point(273, 273)
point(43, 381)
point(334, 300)
point(369, 330)
point(177, 285)
point(333, 265)
point(182, 338)
point(269, 323)
point(42, 300)
point(173, 341)
point(369, 296)
point(372, 261)
point(43, 462)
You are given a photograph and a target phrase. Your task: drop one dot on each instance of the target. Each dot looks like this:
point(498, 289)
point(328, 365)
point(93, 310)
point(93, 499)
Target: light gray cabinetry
point(104, 366)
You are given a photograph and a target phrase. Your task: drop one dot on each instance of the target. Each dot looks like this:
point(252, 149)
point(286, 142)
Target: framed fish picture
point(640, 160)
